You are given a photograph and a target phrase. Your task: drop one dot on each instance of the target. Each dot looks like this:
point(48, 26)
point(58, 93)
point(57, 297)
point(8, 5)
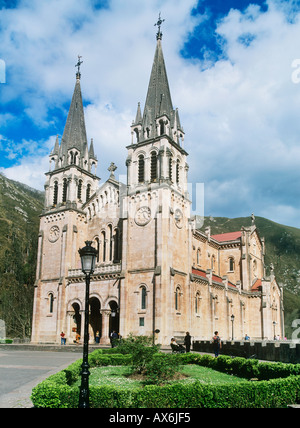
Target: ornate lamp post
point(88, 256)
point(232, 320)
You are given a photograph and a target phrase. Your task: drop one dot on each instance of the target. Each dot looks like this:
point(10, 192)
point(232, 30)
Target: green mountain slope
point(20, 207)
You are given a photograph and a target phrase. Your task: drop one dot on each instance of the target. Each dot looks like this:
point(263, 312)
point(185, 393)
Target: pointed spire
point(91, 150)
point(74, 135)
point(158, 89)
point(138, 118)
point(158, 101)
point(55, 151)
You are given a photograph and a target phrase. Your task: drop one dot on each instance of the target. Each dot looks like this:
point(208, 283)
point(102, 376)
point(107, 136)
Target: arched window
point(143, 297)
point(103, 238)
point(170, 168)
point(51, 302)
point(177, 171)
point(177, 299)
point(55, 193)
point(116, 245)
point(98, 248)
point(231, 264)
point(153, 166)
point(137, 135)
point(141, 169)
point(161, 127)
point(197, 303)
point(213, 262)
point(79, 190)
point(65, 189)
point(88, 192)
point(110, 242)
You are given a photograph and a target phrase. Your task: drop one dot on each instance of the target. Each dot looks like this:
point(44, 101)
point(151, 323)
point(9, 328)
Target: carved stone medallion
point(143, 216)
point(54, 234)
point(178, 218)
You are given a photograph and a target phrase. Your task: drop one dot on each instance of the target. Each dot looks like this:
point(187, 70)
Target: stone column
point(105, 326)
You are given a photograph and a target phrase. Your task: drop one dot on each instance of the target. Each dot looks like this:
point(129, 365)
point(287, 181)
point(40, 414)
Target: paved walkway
point(21, 369)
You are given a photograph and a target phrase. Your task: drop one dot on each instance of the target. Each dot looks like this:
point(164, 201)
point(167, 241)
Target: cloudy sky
point(234, 73)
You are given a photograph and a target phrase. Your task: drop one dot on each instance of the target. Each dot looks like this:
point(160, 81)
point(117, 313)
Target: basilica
point(157, 273)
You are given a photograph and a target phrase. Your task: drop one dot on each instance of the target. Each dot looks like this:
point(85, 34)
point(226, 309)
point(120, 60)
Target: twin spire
point(159, 116)
point(73, 148)
point(159, 113)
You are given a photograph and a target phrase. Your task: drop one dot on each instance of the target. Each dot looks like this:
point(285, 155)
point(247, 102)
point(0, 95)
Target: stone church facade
point(156, 272)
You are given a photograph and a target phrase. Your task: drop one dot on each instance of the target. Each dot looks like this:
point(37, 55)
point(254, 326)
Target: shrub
point(57, 390)
point(162, 368)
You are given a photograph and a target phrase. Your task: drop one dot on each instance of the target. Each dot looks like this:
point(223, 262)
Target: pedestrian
point(113, 339)
point(217, 345)
point(97, 337)
point(187, 341)
point(62, 338)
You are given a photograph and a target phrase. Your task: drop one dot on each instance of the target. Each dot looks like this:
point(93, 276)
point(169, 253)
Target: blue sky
point(234, 74)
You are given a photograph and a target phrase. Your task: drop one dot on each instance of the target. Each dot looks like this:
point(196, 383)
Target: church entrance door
point(95, 318)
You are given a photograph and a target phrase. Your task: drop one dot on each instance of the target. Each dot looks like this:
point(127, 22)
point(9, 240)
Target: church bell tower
point(70, 183)
point(157, 213)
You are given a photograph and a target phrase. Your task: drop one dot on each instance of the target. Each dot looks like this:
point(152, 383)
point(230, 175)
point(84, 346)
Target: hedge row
point(57, 391)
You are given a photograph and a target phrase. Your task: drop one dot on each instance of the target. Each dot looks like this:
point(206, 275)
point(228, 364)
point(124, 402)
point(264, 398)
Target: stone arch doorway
point(76, 320)
point(114, 317)
point(95, 318)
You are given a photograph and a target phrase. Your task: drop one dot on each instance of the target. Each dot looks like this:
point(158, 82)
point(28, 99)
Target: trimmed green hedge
point(283, 388)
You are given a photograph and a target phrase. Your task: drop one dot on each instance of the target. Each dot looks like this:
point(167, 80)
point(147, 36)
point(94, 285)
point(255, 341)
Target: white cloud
point(240, 115)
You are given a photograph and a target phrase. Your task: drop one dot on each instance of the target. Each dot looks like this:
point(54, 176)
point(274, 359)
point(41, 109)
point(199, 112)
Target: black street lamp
point(88, 256)
point(232, 320)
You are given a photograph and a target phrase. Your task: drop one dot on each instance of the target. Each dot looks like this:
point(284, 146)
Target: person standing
point(217, 345)
point(187, 341)
point(62, 338)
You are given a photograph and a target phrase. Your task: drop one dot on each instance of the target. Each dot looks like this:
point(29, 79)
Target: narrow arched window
point(55, 193)
point(103, 246)
point(137, 135)
point(231, 264)
point(197, 303)
point(153, 166)
point(98, 248)
point(161, 127)
point(116, 246)
point(79, 190)
point(110, 242)
point(141, 169)
point(51, 302)
point(177, 171)
point(177, 299)
point(65, 189)
point(143, 297)
point(170, 168)
point(88, 192)
point(213, 263)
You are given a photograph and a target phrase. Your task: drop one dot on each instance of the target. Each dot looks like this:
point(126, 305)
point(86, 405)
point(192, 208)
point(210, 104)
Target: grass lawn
point(119, 376)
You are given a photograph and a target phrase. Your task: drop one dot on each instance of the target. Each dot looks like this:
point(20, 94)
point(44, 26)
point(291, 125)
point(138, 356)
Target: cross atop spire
point(78, 75)
point(158, 23)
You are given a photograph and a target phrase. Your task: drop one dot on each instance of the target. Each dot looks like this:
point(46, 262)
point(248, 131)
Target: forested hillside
point(20, 207)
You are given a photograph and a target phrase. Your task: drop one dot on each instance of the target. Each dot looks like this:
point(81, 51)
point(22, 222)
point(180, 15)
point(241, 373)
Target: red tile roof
point(216, 278)
point(231, 236)
point(257, 285)
point(199, 272)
